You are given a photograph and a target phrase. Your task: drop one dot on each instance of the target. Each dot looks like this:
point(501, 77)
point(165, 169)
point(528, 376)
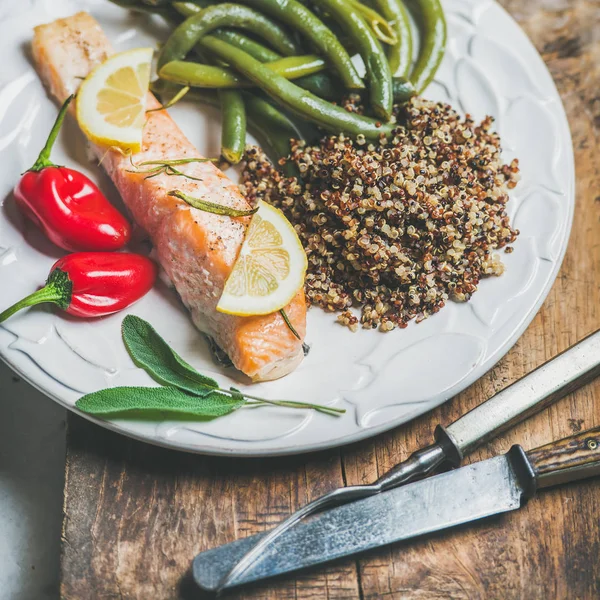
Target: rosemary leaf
point(173, 171)
point(167, 167)
point(211, 207)
point(174, 162)
point(289, 324)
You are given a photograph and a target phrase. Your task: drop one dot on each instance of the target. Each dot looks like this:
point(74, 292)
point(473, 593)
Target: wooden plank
point(135, 515)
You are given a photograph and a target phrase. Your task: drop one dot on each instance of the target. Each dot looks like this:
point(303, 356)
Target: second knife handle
point(548, 383)
point(569, 459)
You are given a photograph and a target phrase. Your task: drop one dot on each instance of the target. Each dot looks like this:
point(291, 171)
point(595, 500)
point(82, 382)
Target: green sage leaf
point(150, 352)
point(119, 400)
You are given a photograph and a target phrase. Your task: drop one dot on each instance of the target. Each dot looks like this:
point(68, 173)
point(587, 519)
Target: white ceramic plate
point(382, 380)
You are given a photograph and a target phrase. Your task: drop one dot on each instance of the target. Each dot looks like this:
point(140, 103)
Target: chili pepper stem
point(58, 290)
point(43, 159)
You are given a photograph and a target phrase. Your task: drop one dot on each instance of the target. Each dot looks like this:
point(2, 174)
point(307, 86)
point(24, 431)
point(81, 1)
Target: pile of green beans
point(270, 127)
point(275, 61)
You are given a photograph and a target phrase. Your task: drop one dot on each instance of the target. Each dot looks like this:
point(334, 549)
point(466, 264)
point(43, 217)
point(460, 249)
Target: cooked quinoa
point(400, 227)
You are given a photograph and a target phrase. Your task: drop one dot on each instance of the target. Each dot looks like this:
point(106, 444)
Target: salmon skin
point(196, 249)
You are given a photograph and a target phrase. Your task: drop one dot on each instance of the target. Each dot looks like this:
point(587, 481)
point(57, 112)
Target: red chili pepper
point(93, 284)
point(68, 206)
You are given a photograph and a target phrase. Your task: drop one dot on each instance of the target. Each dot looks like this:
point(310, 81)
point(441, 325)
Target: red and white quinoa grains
point(398, 227)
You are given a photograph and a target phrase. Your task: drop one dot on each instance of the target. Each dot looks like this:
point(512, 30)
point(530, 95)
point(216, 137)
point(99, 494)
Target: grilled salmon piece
point(197, 249)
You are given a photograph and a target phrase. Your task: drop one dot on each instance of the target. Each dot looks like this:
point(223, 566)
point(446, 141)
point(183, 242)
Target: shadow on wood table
point(136, 515)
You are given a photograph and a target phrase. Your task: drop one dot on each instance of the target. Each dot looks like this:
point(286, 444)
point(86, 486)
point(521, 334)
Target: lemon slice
point(111, 102)
point(270, 268)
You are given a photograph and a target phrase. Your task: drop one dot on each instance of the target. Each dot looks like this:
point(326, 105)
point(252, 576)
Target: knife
point(551, 381)
point(479, 490)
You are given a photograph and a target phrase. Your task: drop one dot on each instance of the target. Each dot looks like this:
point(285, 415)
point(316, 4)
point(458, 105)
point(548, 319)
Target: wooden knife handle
point(569, 459)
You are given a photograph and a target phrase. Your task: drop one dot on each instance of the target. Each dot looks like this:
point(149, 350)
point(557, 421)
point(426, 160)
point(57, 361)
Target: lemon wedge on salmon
point(111, 102)
point(270, 268)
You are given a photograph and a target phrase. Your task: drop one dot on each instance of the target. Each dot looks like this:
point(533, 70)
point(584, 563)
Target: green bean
point(322, 85)
point(432, 26)
point(403, 89)
point(381, 28)
point(293, 67)
point(202, 76)
point(252, 47)
point(199, 75)
point(189, 33)
point(270, 127)
point(319, 84)
point(399, 54)
point(233, 121)
point(328, 116)
point(187, 9)
point(379, 76)
point(300, 18)
point(243, 42)
point(233, 130)
point(165, 11)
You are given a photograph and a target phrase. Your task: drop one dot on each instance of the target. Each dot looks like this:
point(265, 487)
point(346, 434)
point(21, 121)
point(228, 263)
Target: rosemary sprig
point(211, 207)
point(167, 167)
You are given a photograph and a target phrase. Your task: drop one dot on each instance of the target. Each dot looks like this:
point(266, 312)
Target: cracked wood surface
point(135, 515)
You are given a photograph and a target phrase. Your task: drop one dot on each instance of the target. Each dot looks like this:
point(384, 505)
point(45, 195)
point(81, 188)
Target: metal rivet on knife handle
point(569, 459)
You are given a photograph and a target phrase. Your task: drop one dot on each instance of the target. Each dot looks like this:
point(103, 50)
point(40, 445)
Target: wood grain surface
point(135, 515)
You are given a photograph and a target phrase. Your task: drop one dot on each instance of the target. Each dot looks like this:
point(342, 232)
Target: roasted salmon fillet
point(197, 249)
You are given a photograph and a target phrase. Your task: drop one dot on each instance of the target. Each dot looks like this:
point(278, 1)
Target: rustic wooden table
point(135, 515)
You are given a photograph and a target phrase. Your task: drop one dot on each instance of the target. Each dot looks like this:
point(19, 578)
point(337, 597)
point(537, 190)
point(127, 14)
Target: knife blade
point(545, 385)
point(435, 503)
point(468, 494)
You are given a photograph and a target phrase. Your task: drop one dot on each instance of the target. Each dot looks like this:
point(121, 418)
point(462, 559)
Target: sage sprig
point(185, 391)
